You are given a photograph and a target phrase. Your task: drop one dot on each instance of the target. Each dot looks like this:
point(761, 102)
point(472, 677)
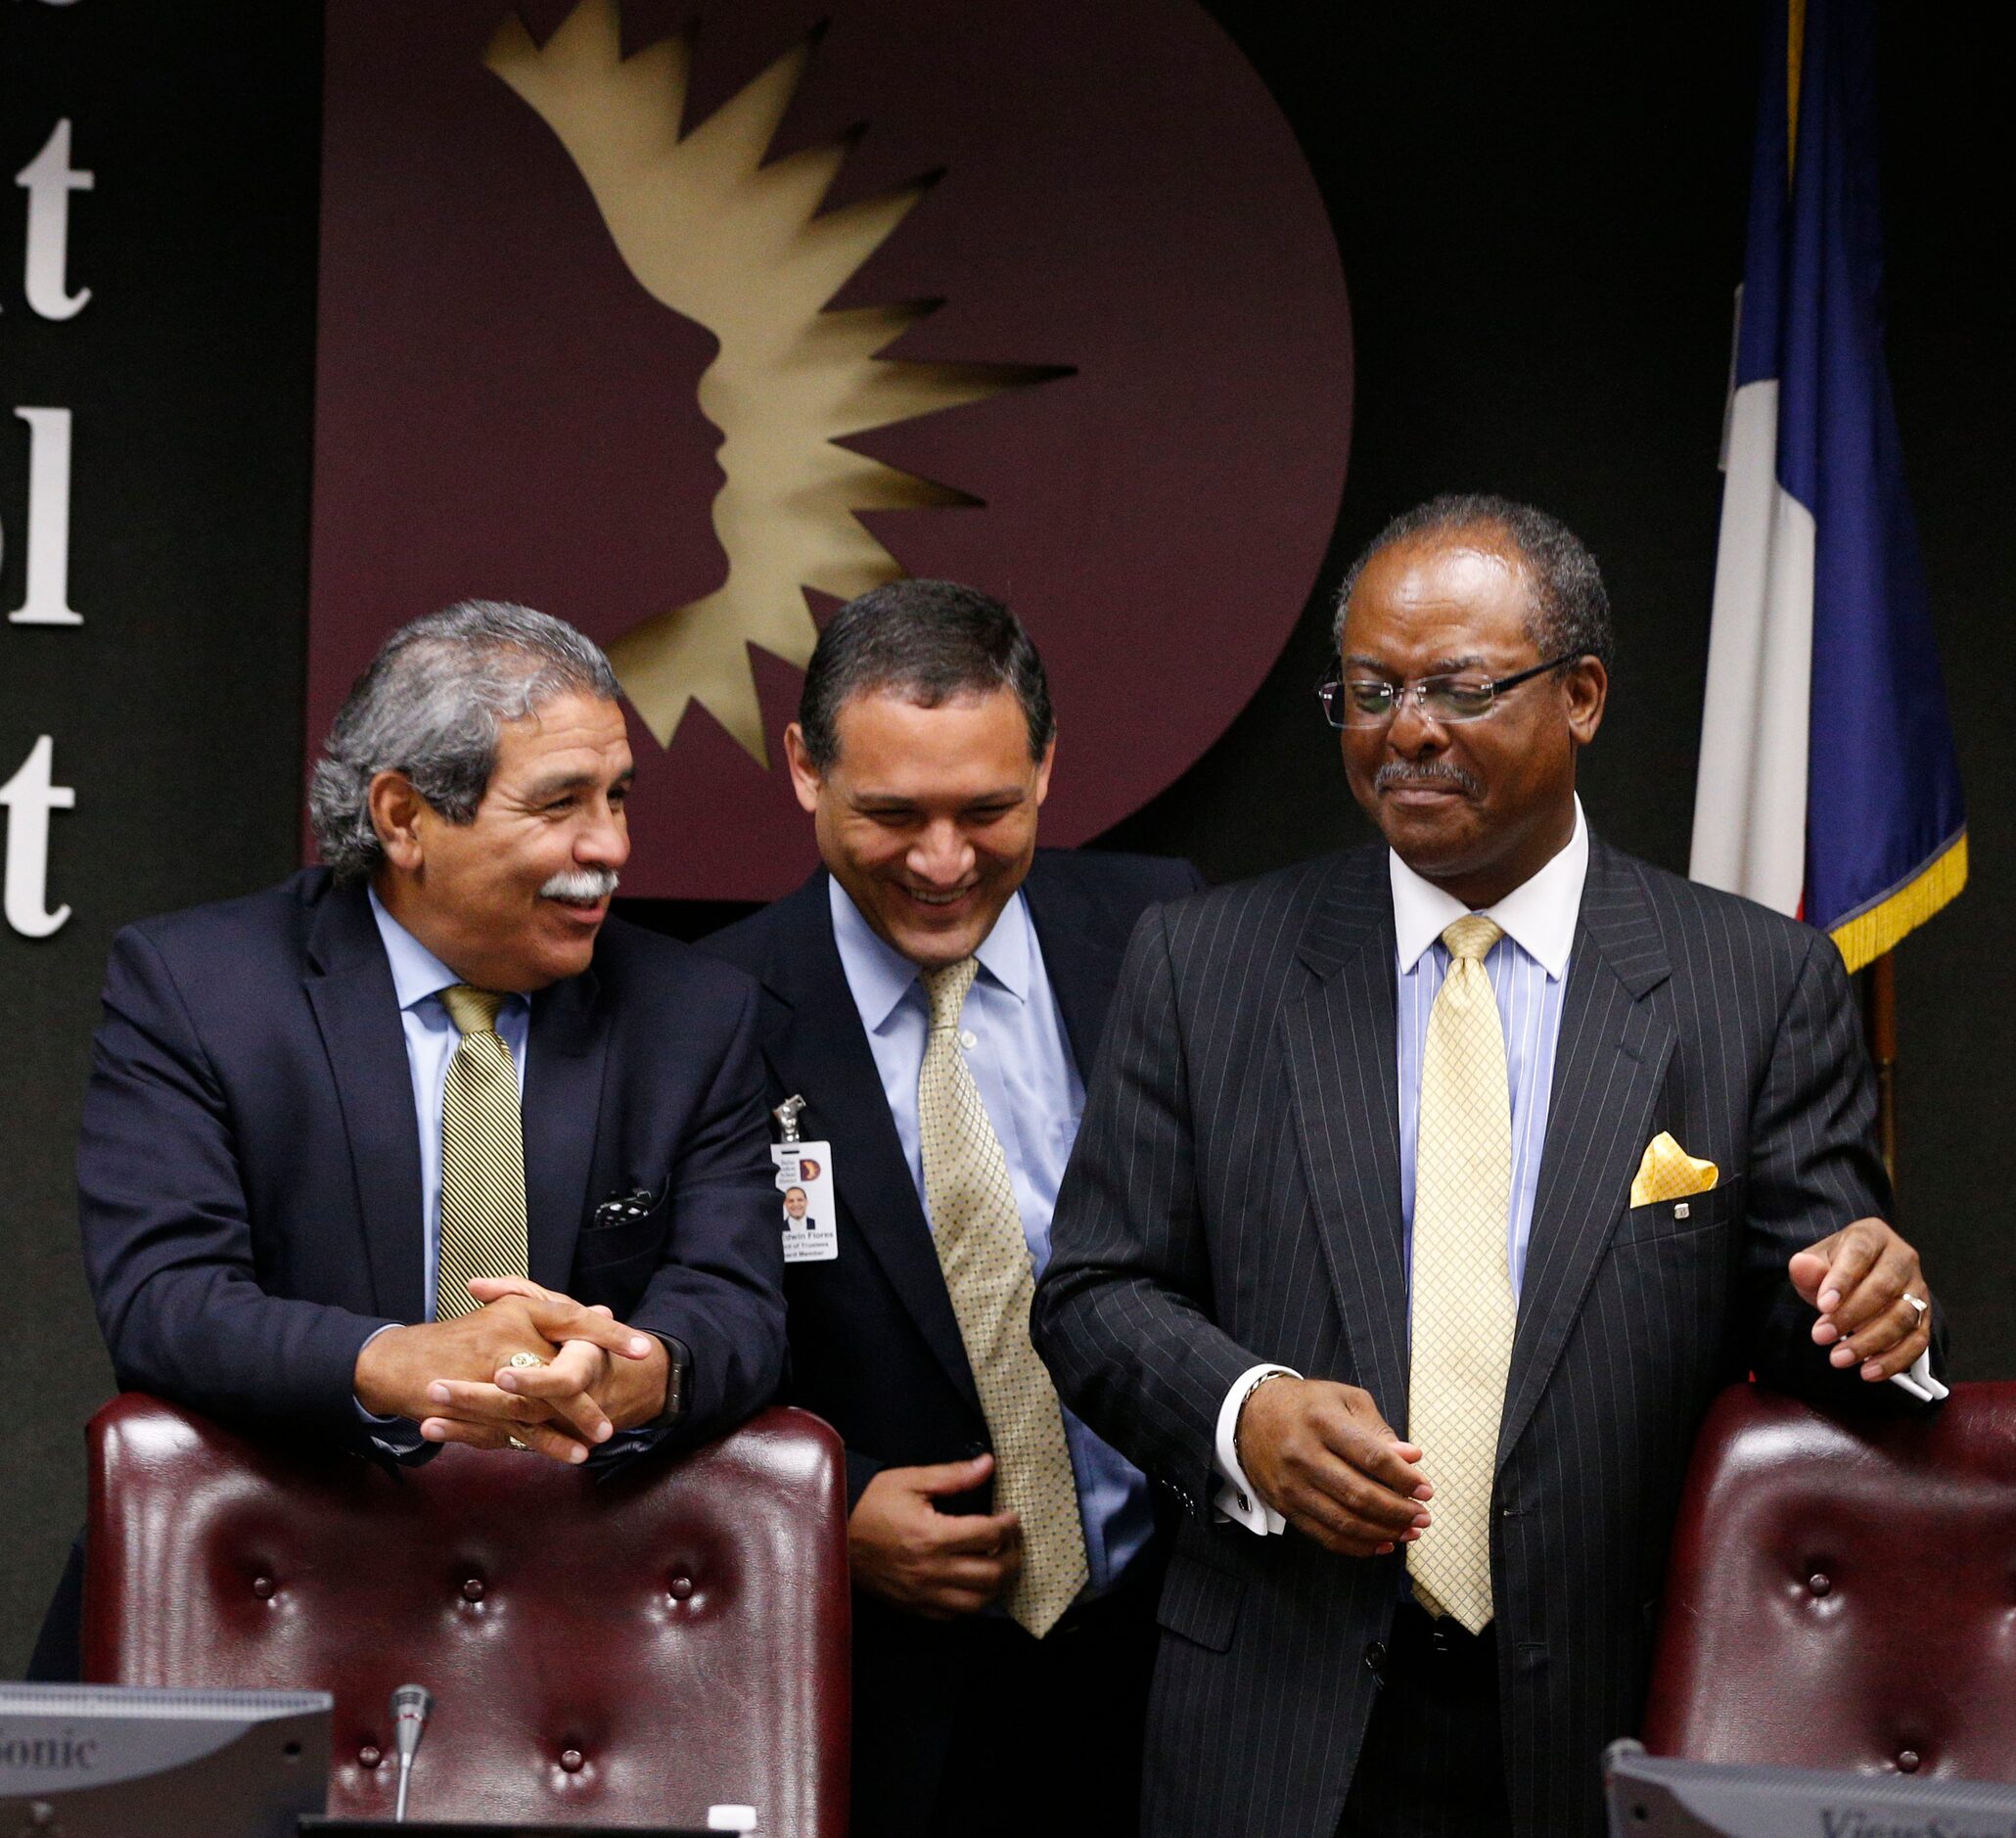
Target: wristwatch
point(678, 1361)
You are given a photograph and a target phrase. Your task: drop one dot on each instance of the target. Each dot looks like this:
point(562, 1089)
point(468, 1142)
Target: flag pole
point(1882, 1030)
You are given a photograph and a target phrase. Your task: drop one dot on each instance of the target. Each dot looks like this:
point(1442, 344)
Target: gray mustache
point(1425, 772)
point(580, 884)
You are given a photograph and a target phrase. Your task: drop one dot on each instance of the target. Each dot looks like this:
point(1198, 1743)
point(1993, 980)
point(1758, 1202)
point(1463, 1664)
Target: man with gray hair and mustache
point(422, 1146)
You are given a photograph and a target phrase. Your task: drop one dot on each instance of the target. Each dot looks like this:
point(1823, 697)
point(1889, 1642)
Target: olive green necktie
point(977, 1228)
point(482, 1156)
point(1462, 1283)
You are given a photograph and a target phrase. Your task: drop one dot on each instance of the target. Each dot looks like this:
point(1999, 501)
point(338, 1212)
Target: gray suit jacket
point(1235, 1198)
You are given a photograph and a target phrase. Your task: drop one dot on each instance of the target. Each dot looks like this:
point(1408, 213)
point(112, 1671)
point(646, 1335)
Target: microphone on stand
point(410, 1707)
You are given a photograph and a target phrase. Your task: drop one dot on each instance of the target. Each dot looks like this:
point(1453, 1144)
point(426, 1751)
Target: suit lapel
point(563, 1100)
point(349, 988)
point(1339, 1043)
point(823, 1056)
point(1609, 1066)
point(1081, 955)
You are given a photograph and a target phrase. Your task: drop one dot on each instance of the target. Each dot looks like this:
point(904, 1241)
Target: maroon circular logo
point(685, 323)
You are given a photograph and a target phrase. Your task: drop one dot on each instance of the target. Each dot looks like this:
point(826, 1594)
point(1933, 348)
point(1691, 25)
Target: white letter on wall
point(30, 798)
point(49, 182)
point(48, 598)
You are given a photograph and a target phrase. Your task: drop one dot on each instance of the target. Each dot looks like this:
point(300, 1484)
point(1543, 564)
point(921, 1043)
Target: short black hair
point(930, 641)
point(1570, 606)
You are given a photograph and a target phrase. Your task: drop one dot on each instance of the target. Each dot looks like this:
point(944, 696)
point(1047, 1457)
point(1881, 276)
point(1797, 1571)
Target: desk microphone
point(409, 1707)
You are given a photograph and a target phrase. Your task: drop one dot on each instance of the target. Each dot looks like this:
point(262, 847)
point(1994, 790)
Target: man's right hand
point(1323, 1457)
point(935, 1564)
point(396, 1367)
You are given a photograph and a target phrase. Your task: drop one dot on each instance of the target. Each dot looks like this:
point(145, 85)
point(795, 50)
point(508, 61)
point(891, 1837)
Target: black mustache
point(1426, 772)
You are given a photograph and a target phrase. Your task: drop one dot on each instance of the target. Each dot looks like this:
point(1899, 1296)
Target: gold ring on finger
point(515, 1443)
point(1917, 1301)
point(523, 1361)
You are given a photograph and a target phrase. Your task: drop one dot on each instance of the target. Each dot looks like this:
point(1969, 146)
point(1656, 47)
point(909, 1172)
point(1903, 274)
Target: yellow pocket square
point(1669, 1173)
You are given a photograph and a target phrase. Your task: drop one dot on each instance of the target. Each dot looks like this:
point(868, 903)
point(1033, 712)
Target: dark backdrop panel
point(1540, 215)
point(174, 706)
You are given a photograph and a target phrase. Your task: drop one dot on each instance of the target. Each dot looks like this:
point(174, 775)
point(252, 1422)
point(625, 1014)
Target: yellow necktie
point(1462, 1284)
point(977, 1229)
point(482, 1156)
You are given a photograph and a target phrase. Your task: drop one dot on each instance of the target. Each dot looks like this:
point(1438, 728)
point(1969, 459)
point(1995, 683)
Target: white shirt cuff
point(1237, 1501)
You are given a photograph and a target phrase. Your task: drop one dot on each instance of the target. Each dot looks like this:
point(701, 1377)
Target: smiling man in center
point(935, 993)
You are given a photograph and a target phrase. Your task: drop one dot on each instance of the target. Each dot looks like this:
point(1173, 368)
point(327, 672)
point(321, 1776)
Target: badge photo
point(804, 1183)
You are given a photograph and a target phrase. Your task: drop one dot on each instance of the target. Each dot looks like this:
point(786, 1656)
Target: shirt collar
point(416, 973)
point(1539, 914)
point(880, 976)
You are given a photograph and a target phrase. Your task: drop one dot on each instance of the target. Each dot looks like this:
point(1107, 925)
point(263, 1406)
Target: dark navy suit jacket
point(875, 1347)
point(249, 1166)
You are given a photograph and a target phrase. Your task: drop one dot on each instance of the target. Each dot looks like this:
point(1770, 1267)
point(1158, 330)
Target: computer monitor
point(132, 1762)
point(1655, 1796)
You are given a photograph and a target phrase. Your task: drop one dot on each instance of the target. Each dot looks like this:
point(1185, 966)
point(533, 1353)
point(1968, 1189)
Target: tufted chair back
point(1844, 1596)
point(619, 1651)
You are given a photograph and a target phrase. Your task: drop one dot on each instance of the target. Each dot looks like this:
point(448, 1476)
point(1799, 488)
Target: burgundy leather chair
point(1844, 1595)
point(626, 1651)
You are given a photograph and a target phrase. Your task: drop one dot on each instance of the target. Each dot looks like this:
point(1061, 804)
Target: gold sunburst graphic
point(743, 249)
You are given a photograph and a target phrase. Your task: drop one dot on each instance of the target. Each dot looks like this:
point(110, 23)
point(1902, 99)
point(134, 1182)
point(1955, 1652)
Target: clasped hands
point(1323, 1457)
point(455, 1379)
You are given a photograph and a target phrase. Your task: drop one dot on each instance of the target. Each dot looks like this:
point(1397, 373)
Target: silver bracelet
point(1238, 1422)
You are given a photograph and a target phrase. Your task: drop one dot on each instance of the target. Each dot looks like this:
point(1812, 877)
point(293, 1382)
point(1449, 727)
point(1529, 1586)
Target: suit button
point(681, 1589)
point(1375, 1656)
point(571, 1761)
point(473, 1589)
point(263, 1587)
point(370, 1755)
point(1908, 1761)
point(1821, 1583)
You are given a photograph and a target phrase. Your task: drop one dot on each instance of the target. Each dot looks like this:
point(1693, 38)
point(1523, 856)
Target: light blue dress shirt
point(1020, 1057)
point(1528, 973)
point(418, 978)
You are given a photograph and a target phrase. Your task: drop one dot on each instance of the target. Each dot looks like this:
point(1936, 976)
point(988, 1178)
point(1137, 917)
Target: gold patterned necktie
point(482, 1156)
point(1463, 1312)
point(977, 1228)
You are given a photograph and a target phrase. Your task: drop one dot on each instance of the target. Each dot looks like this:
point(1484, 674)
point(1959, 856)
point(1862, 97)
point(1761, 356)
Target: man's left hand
point(1862, 1280)
point(579, 1399)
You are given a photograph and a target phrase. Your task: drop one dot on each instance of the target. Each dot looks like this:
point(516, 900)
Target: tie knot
point(947, 988)
point(1472, 936)
point(473, 1011)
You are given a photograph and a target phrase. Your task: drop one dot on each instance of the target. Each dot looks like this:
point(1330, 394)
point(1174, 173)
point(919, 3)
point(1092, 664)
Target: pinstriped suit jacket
point(1234, 1197)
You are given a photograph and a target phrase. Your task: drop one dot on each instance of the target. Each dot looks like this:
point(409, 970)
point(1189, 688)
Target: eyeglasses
point(1372, 703)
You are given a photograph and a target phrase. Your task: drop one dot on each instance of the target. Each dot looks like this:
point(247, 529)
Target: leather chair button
point(263, 1587)
point(570, 1761)
point(1820, 1583)
point(1375, 1656)
point(681, 1589)
point(1908, 1761)
point(473, 1589)
point(370, 1755)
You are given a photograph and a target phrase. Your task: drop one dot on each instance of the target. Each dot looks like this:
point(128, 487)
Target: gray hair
point(929, 641)
point(430, 706)
point(1570, 607)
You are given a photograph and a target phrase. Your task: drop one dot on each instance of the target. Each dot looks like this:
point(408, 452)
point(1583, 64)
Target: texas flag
point(1828, 783)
